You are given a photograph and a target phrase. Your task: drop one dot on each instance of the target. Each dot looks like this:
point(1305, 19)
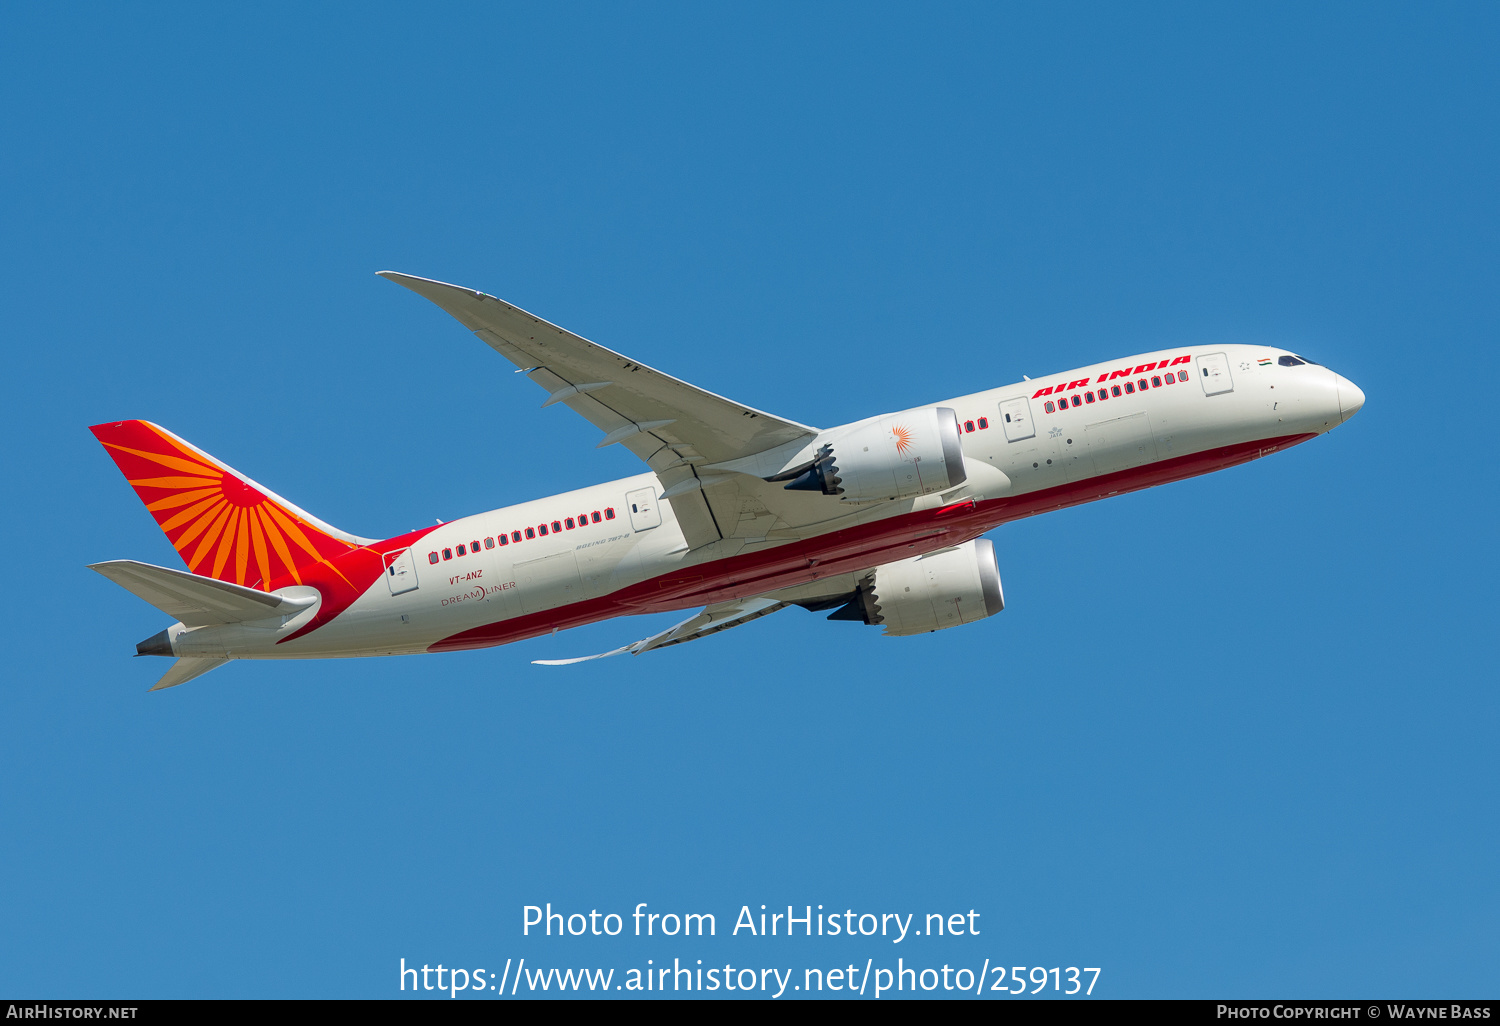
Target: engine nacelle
point(897, 457)
point(932, 592)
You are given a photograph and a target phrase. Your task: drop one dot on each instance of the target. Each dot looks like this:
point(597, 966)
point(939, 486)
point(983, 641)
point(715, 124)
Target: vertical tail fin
point(221, 523)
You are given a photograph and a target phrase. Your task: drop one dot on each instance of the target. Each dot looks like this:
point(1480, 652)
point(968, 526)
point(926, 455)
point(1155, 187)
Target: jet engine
point(895, 457)
point(929, 593)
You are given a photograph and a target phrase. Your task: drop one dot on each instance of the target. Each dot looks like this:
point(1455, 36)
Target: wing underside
point(712, 620)
point(828, 593)
point(678, 429)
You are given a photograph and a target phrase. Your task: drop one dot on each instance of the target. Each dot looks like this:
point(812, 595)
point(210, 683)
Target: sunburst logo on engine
point(903, 438)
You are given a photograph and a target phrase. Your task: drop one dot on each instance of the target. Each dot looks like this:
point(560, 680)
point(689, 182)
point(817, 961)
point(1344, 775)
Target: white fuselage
point(637, 560)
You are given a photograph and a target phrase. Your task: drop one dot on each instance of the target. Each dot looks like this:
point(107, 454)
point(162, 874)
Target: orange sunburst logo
point(903, 438)
point(220, 526)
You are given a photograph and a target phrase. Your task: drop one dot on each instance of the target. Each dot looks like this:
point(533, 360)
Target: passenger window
point(1049, 406)
point(489, 543)
point(1182, 375)
point(984, 423)
point(447, 553)
point(568, 523)
point(583, 520)
point(460, 550)
point(474, 546)
point(503, 539)
point(1129, 388)
point(515, 536)
point(596, 516)
point(1077, 401)
point(541, 529)
point(968, 427)
point(1115, 391)
point(1156, 382)
point(432, 557)
point(609, 513)
point(557, 527)
point(1141, 384)
point(531, 532)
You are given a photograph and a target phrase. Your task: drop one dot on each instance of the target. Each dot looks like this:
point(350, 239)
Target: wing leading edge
point(611, 391)
point(673, 426)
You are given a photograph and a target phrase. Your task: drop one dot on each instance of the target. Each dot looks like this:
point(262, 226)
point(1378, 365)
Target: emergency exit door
point(1015, 414)
point(1213, 374)
point(400, 572)
point(644, 512)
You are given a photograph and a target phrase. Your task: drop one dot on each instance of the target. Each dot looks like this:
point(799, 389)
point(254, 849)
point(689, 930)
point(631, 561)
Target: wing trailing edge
point(608, 389)
point(671, 425)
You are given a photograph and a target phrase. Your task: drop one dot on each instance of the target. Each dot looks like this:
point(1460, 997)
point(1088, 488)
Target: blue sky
point(1234, 736)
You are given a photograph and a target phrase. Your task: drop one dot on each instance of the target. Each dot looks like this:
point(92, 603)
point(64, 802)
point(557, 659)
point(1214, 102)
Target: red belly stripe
point(854, 549)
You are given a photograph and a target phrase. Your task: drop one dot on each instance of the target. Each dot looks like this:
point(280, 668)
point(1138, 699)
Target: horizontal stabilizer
point(198, 601)
point(186, 668)
point(712, 620)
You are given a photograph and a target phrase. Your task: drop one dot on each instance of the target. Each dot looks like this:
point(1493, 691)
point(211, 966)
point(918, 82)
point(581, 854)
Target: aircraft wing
point(829, 593)
point(715, 618)
point(673, 426)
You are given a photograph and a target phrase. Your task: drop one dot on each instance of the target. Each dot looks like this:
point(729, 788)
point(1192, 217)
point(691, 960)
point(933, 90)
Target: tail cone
point(157, 644)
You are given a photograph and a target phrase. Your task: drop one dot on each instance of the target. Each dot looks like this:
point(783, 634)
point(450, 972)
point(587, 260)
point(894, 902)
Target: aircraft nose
point(1351, 397)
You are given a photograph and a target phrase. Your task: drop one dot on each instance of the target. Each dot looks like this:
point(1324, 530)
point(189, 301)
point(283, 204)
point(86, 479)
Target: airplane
point(740, 512)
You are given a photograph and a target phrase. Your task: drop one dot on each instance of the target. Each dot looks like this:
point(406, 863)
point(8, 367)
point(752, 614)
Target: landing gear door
point(400, 572)
point(644, 512)
point(1015, 414)
point(1213, 374)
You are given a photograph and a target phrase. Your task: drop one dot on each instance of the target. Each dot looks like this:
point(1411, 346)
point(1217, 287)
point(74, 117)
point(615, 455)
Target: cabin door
point(1213, 374)
point(644, 512)
point(400, 572)
point(1015, 414)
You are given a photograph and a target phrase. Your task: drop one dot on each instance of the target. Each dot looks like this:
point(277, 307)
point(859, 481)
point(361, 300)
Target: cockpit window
point(1290, 361)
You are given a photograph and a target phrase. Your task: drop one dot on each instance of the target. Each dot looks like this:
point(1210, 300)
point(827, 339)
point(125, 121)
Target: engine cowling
point(896, 457)
point(932, 592)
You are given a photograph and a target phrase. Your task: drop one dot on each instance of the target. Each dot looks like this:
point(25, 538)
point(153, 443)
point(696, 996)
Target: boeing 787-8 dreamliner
point(739, 511)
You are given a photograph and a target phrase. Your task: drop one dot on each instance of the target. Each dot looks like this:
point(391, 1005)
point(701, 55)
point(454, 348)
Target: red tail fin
point(221, 523)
